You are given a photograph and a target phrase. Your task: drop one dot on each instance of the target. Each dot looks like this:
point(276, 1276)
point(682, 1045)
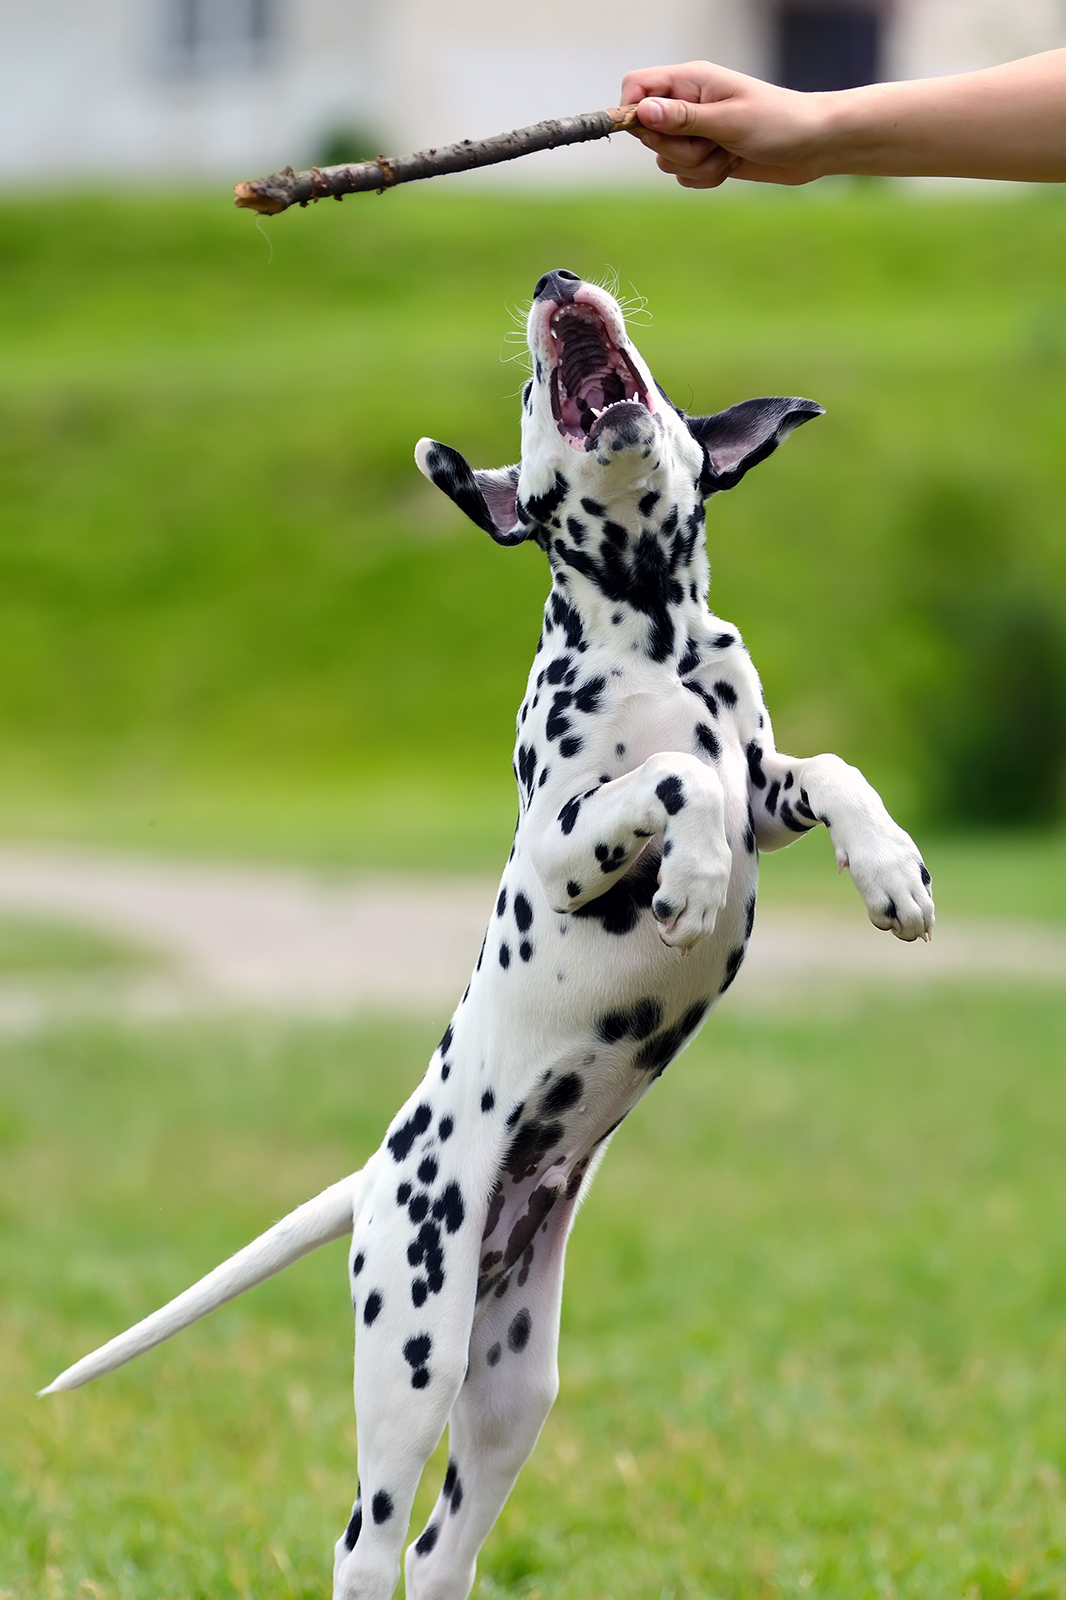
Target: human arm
point(706, 124)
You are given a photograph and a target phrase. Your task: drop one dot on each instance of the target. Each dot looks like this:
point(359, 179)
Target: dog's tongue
point(624, 411)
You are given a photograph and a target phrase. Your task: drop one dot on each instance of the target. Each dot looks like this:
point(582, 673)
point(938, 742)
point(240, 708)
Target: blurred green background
point(232, 616)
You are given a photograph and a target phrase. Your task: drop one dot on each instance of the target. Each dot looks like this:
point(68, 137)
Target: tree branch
point(283, 189)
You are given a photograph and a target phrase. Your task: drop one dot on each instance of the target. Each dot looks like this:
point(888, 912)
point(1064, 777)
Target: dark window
point(828, 46)
point(207, 36)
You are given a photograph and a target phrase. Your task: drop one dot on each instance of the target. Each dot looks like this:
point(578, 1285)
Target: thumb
point(669, 116)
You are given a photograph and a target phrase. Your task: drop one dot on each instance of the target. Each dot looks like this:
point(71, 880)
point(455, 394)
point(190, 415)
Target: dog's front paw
point(894, 883)
point(687, 905)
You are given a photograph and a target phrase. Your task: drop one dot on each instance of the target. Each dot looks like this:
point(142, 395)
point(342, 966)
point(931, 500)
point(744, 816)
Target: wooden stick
point(283, 189)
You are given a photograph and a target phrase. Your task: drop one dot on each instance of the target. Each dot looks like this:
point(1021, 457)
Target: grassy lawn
point(814, 1334)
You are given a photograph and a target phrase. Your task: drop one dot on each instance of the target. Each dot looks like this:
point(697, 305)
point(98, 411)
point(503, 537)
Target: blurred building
point(132, 89)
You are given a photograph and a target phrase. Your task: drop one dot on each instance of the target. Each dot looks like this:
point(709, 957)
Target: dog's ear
point(746, 434)
point(489, 498)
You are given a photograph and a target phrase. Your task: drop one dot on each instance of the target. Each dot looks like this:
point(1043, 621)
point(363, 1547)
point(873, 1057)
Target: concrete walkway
point(293, 942)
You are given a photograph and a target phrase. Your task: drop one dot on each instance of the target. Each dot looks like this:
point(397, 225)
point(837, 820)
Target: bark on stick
point(284, 189)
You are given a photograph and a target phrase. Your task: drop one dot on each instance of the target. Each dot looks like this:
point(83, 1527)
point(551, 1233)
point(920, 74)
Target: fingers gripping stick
point(598, 835)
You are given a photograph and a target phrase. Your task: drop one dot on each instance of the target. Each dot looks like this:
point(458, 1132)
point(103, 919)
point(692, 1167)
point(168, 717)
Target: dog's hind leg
point(511, 1384)
point(414, 1282)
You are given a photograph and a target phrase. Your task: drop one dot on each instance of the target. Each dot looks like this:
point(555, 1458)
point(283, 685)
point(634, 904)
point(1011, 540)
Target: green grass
point(226, 594)
point(38, 947)
point(813, 1337)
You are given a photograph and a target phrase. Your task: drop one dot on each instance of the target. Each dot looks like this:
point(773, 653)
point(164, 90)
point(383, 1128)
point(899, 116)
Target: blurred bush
point(218, 564)
point(992, 712)
point(346, 142)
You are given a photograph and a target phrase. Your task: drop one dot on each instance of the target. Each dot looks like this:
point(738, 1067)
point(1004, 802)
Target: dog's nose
point(559, 286)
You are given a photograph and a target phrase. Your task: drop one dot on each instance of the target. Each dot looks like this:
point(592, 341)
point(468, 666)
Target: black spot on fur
point(505, 956)
point(519, 1331)
point(427, 1539)
point(515, 1113)
point(732, 966)
point(564, 1093)
point(420, 1378)
point(672, 795)
point(690, 660)
point(890, 911)
point(792, 821)
point(488, 1100)
point(449, 1209)
point(771, 797)
point(493, 1354)
point(573, 888)
point(358, 1264)
point(446, 1128)
point(708, 699)
point(372, 1308)
point(618, 911)
point(725, 692)
point(527, 767)
point(450, 1479)
point(568, 815)
point(593, 507)
point(531, 1143)
point(424, 1252)
point(523, 913)
point(541, 506)
point(657, 1052)
point(401, 1141)
point(501, 903)
point(419, 1291)
point(381, 1506)
point(724, 640)
point(648, 502)
point(569, 746)
point(525, 950)
point(754, 755)
point(417, 1351)
point(707, 740)
point(587, 698)
point(636, 1023)
point(427, 1172)
point(419, 1208)
point(567, 618)
point(750, 917)
point(924, 870)
point(354, 1528)
point(403, 1194)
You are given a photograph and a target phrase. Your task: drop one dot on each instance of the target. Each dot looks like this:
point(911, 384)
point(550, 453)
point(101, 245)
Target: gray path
point(290, 941)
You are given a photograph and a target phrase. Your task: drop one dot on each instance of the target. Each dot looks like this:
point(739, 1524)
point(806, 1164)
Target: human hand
point(707, 124)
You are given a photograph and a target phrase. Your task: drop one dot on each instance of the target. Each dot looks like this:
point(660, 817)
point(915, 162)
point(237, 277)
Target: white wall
point(85, 90)
point(931, 37)
point(470, 68)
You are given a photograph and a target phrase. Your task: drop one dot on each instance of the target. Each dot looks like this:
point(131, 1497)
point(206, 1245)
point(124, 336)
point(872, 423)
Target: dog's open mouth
point(590, 375)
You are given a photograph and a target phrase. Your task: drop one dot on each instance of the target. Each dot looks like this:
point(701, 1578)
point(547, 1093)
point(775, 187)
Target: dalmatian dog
point(648, 783)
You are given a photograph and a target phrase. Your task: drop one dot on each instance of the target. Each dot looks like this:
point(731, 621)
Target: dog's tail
point(328, 1216)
